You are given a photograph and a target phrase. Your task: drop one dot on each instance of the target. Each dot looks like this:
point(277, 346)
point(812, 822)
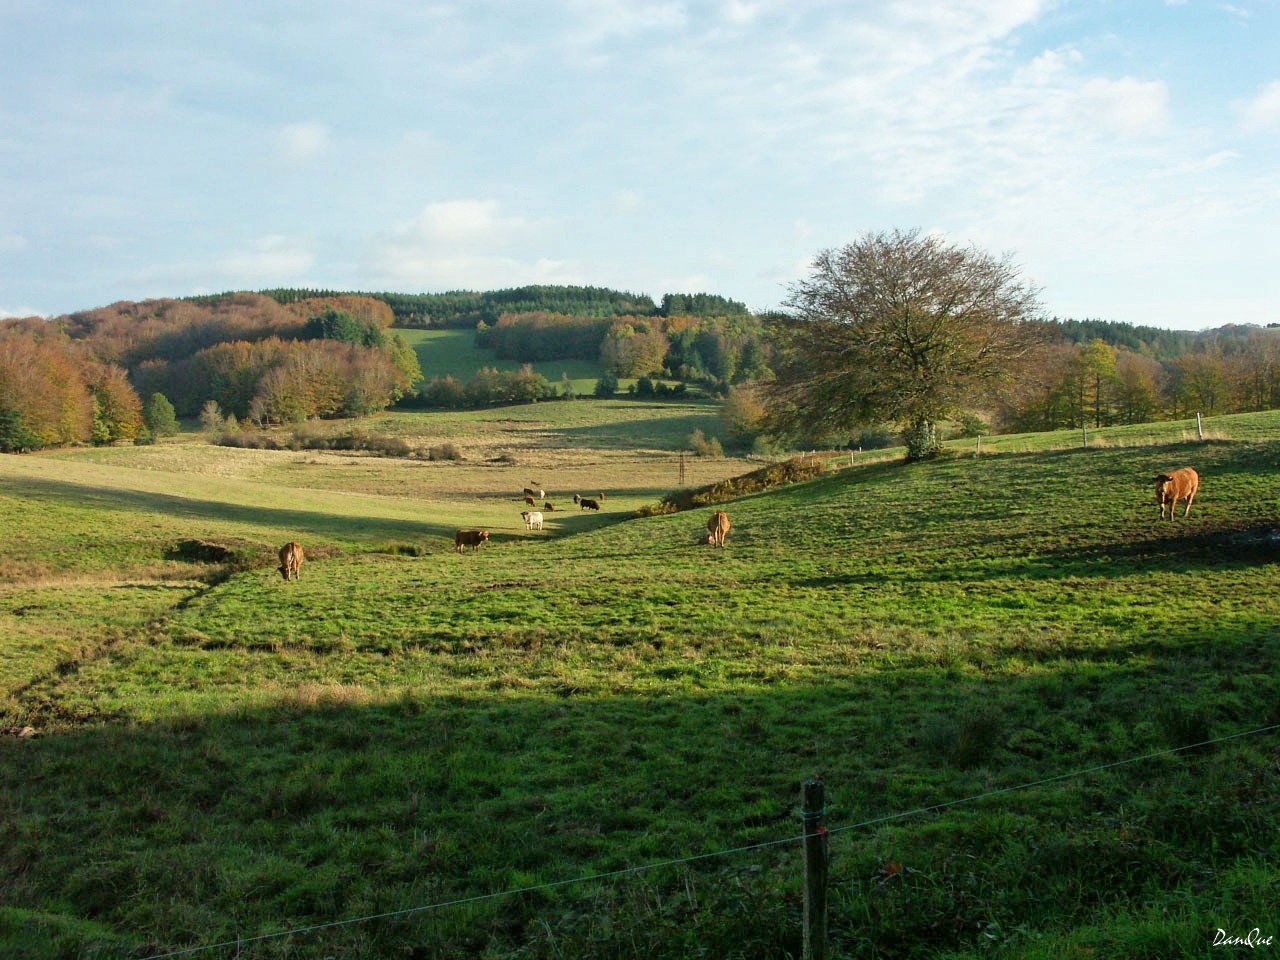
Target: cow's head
point(1161, 480)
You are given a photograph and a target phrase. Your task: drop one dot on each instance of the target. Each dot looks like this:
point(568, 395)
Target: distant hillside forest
point(127, 371)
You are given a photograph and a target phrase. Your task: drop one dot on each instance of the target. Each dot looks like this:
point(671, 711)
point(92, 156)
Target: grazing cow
point(532, 518)
point(577, 499)
point(536, 494)
point(600, 496)
point(470, 538)
point(291, 560)
point(586, 504)
point(718, 528)
point(548, 506)
point(1172, 487)
point(529, 501)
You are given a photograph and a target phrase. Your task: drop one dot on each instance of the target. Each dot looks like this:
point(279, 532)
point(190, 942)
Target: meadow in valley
point(588, 740)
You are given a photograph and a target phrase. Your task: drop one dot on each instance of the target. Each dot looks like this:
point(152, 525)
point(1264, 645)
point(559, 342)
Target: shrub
point(606, 386)
point(704, 447)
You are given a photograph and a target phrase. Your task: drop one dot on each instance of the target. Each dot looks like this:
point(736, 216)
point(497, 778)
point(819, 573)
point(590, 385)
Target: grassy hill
point(222, 755)
point(454, 353)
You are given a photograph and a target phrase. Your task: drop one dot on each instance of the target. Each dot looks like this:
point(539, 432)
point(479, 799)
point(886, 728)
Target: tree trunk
point(922, 439)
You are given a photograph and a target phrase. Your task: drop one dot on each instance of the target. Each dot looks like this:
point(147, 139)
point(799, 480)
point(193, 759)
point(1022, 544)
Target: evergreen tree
point(159, 416)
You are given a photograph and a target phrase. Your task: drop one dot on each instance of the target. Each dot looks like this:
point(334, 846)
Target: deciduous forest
point(283, 356)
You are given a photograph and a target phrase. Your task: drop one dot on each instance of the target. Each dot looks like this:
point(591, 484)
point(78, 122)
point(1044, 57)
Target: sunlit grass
point(223, 753)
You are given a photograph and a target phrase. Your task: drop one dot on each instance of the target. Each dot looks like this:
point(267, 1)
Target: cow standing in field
point(1171, 487)
point(718, 528)
point(535, 493)
point(532, 518)
point(291, 558)
point(470, 538)
point(585, 504)
point(528, 501)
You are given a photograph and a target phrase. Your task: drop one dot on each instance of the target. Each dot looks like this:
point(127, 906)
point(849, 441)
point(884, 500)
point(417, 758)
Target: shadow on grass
point(297, 518)
point(339, 802)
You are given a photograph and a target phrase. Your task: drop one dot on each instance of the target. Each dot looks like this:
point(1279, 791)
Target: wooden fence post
point(1199, 426)
point(815, 870)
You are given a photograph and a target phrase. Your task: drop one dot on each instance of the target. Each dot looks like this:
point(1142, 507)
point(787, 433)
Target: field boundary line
point(642, 868)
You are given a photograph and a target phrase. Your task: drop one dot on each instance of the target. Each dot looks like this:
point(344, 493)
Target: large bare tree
point(898, 327)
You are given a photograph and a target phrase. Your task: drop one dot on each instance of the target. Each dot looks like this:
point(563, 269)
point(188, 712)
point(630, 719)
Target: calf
point(718, 528)
point(470, 538)
point(548, 506)
point(586, 504)
point(1172, 487)
point(291, 558)
point(532, 518)
point(528, 501)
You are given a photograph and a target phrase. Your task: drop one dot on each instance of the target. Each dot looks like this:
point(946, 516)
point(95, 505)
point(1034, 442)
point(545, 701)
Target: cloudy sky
point(1125, 153)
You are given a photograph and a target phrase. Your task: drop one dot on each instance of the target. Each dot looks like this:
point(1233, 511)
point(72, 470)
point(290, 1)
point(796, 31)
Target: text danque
point(1253, 938)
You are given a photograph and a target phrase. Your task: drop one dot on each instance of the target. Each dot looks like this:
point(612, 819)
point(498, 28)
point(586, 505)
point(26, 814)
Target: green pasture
point(454, 353)
point(221, 756)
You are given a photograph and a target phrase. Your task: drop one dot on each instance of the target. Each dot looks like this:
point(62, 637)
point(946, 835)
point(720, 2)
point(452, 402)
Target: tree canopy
point(898, 327)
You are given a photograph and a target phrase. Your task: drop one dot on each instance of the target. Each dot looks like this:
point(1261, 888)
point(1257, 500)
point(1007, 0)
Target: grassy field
point(445, 352)
point(220, 756)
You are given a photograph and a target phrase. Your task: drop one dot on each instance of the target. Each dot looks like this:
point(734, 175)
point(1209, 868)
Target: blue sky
point(1126, 155)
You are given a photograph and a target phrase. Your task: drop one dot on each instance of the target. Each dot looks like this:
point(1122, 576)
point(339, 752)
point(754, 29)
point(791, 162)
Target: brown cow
point(291, 558)
point(470, 538)
point(529, 502)
point(718, 528)
point(1172, 487)
point(586, 504)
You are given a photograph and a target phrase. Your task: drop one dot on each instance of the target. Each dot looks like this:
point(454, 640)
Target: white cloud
point(1262, 112)
point(300, 143)
point(269, 259)
point(463, 243)
point(1127, 107)
point(12, 242)
point(1200, 165)
point(20, 312)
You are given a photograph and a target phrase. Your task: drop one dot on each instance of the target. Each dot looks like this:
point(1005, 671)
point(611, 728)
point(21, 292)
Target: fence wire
point(733, 851)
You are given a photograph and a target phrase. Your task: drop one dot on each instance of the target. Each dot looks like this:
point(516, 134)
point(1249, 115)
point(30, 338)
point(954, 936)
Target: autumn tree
point(898, 327)
point(42, 387)
point(117, 413)
point(1094, 381)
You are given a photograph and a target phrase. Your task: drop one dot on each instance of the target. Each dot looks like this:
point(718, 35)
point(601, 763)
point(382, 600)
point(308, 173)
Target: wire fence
point(728, 852)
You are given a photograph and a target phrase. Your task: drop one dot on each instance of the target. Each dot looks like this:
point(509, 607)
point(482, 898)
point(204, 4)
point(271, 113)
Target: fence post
point(815, 870)
point(1084, 434)
point(1199, 426)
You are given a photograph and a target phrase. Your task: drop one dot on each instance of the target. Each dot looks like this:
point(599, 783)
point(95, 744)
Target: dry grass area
point(630, 451)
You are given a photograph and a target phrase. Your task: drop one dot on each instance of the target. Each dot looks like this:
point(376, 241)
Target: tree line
point(81, 377)
point(895, 332)
point(465, 309)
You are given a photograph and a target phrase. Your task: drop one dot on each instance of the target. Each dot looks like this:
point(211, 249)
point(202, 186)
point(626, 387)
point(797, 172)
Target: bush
point(606, 386)
point(874, 438)
point(704, 447)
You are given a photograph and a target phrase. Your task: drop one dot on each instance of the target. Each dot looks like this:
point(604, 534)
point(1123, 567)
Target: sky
point(1124, 154)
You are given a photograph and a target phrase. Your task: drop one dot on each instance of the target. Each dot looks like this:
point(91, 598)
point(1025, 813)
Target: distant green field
point(454, 353)
point(987, 659)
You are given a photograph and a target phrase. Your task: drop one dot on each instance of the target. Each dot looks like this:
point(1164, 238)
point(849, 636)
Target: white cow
point(532, 518)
